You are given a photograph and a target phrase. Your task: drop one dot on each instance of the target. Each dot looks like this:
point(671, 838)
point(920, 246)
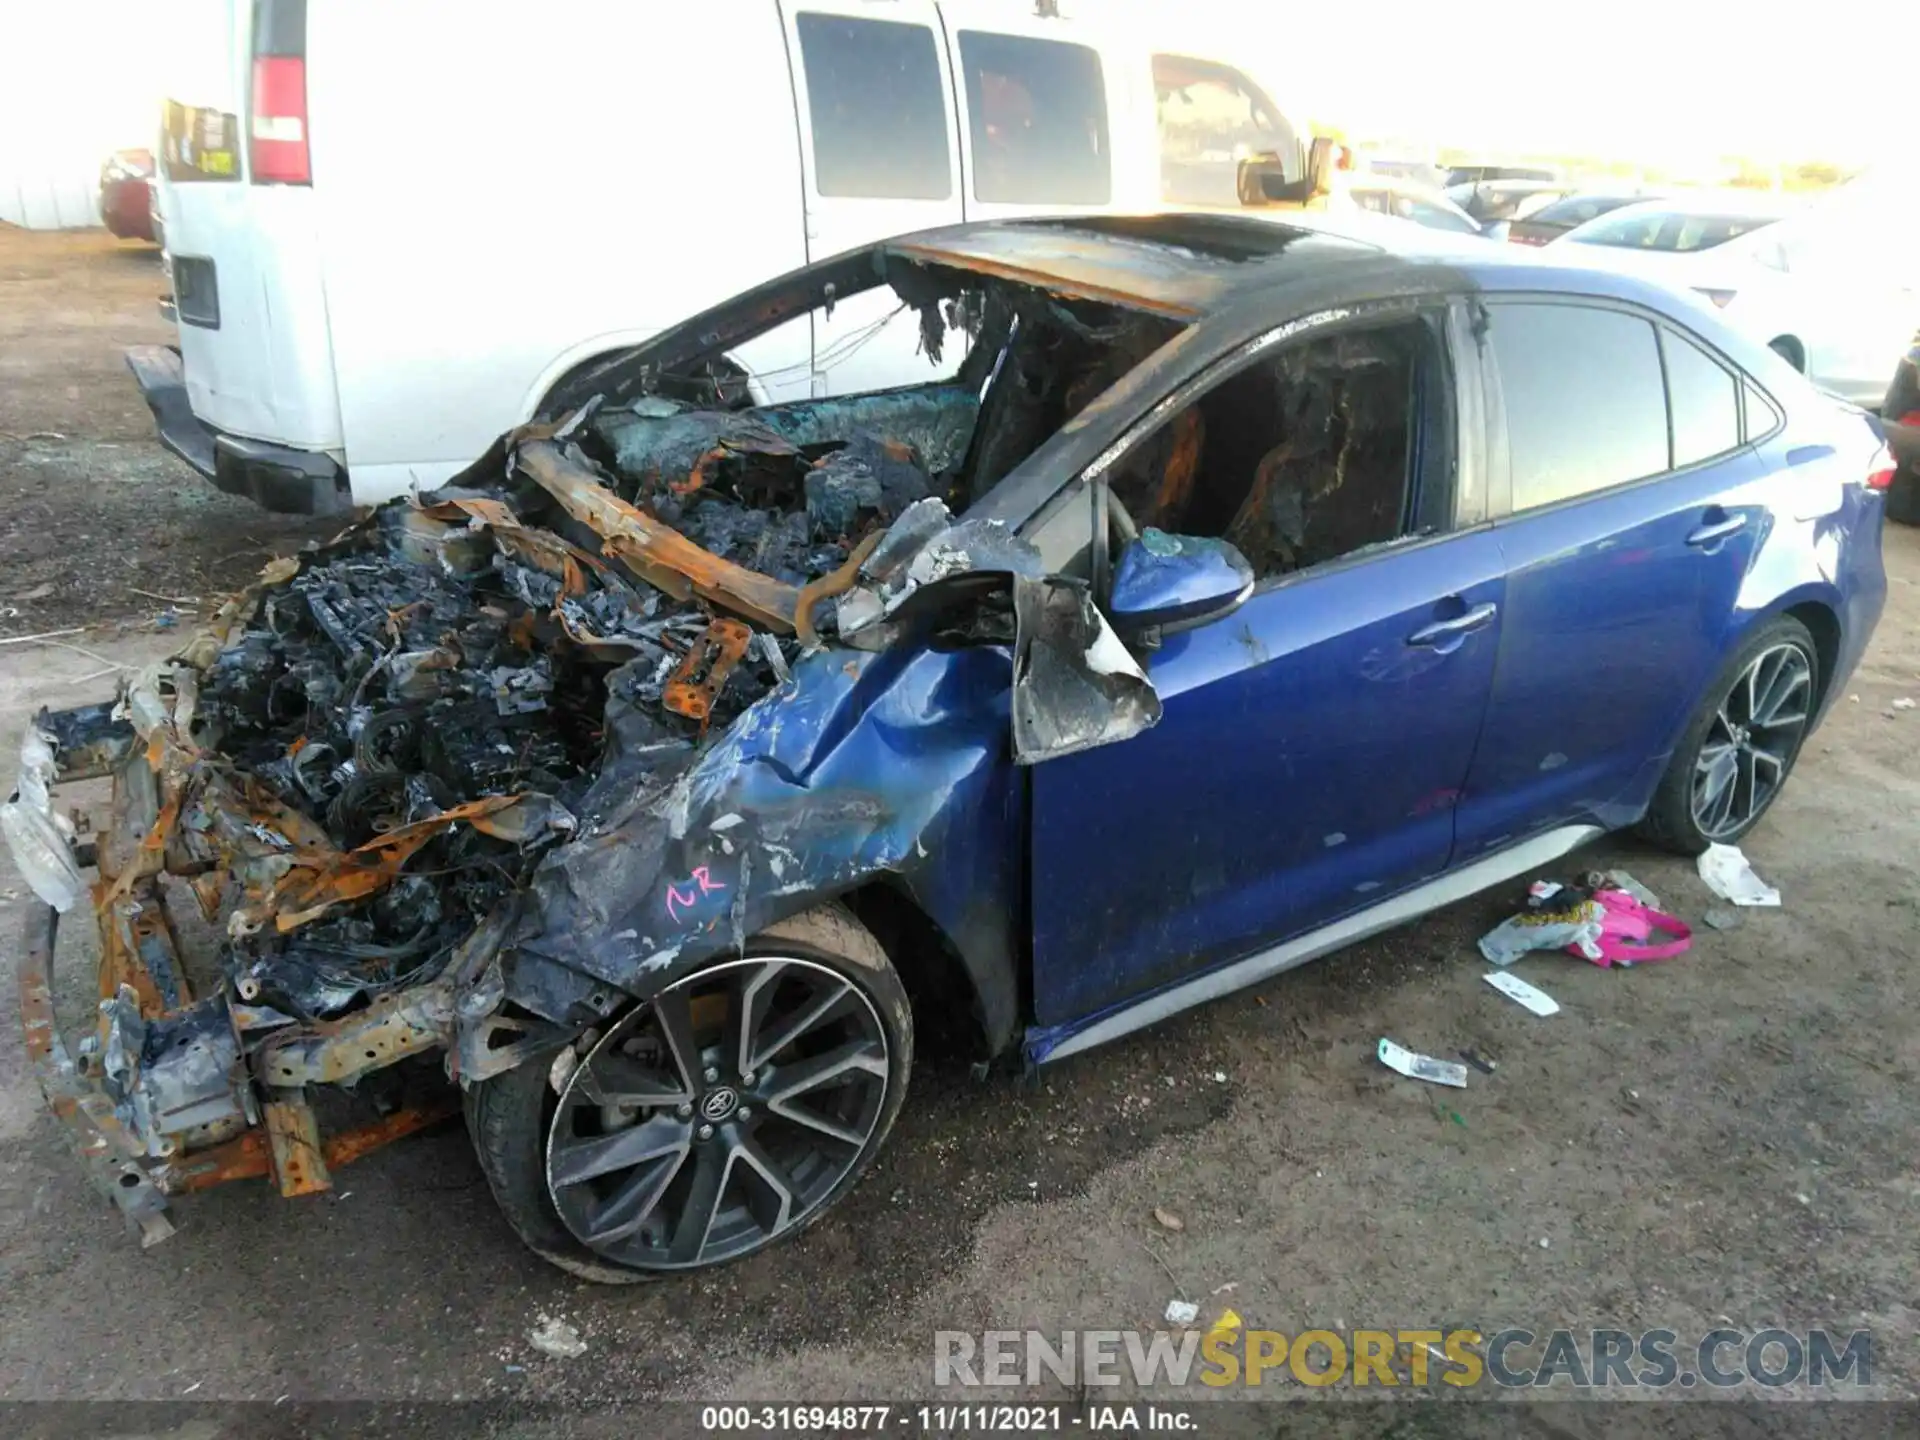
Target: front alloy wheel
point(719, 1115)
point(728, 1111)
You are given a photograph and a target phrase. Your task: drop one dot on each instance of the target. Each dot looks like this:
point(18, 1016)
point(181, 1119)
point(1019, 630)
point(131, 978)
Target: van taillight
point(277, 154)
point(1882, 469)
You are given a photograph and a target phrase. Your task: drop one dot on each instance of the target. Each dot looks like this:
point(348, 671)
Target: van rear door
point(238, 207)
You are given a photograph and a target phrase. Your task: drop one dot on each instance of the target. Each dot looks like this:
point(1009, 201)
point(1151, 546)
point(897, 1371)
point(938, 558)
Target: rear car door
point(881, 157)
point(1313, 741)
point(1626, 533)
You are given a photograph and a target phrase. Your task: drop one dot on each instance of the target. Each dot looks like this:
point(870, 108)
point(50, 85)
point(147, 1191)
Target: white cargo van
point(402, 225)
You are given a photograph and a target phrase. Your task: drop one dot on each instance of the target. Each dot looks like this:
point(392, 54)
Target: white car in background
point(1385, 194)
point(1825, 283)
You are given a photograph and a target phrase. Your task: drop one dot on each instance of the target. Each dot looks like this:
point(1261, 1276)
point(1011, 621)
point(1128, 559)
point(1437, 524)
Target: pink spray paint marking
point(698, 884)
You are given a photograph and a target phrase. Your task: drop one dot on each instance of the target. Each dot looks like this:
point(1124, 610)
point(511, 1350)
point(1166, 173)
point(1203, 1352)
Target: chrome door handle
point(1717, 530)
point(1478, 618)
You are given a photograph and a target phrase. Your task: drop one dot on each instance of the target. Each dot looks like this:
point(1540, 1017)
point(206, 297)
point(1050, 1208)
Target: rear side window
point(1705, 399)
point(1585, 405)
point(876, 107)
point(1212, 117)
point(1037, 115)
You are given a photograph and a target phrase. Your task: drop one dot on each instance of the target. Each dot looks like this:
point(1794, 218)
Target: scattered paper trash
point(1724, 917)
point(1227, 1326)
point(1621, 880)
point(554, 1336)
point(1182, 1312)
point(1422, 1067)
point(1905, 703)
point(1554, 922)
point(1514, 988)
point(1729, 876)
point(1168, 1220)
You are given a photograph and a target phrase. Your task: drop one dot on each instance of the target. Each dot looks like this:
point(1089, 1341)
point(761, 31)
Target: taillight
point(1882, 469)
point(278, 152)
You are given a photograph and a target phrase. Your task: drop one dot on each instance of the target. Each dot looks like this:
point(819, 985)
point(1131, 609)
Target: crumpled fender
point(892, 764)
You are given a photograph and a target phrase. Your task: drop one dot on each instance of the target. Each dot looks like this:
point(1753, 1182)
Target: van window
point(1037, 113)
point(1585, 400)
point(1211, 118)
point(877, 108)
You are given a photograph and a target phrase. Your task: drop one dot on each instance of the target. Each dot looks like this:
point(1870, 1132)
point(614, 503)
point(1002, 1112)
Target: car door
point(1312, 742)
point(881, 157)
point(1625, 534)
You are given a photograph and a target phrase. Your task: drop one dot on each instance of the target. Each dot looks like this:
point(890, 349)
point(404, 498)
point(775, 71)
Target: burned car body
point(652, 768)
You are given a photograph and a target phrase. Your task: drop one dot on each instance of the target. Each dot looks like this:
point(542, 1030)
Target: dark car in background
point(126, 194)
point(1492, 202)
point(1480, 174)
point(1552, 221)
point(1901, 413)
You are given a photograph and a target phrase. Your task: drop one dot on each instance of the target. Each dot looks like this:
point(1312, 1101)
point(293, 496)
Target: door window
point(1296, 460)
point(876, 107)
point(1705, 399)
point(1037, 115)
point(1585, 405)
point(1211, 118)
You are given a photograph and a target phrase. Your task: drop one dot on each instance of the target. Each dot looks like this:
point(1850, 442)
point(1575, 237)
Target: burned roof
point(1180, 266)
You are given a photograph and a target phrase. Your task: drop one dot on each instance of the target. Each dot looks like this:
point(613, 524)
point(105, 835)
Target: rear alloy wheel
point(1740, 748)
point(728, 1111)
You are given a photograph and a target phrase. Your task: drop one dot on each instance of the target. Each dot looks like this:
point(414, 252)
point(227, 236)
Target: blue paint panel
point(1306, 767)
point(1613, 625)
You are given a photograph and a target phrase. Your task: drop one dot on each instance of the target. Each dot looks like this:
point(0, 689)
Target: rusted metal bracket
point(705, 668)
point(293, 1141)
point(249, 1156)
point(107, 1151)
point(654, 551)
point(337, 1052)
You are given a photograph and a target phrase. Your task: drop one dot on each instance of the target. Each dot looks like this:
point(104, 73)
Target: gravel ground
point(1722, 1140)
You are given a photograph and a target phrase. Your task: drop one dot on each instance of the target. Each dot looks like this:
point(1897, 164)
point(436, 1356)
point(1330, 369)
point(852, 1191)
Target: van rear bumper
point(275, 477)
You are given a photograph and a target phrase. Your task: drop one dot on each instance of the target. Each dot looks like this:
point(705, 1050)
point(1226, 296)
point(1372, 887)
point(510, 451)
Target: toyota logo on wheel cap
point(719, 1103)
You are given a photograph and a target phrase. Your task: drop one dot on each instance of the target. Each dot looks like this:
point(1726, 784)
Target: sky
point(1629, 79)
point(1633, 79)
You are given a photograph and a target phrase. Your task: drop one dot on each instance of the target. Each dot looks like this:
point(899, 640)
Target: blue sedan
point(1230, 591)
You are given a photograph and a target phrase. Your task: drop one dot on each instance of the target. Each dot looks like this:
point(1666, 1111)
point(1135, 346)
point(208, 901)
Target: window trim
point(1456, 379)
point(1501, 506)
point(1674, 467)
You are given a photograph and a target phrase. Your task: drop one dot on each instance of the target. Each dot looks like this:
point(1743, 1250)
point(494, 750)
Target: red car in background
point(126, 194)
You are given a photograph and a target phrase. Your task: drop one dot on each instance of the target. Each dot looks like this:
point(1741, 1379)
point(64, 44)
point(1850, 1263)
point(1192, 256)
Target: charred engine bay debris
point(437, 656)
point(491, 762)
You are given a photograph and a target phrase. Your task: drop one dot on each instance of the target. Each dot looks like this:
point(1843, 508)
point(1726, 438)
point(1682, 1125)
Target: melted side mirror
point(1168, 581)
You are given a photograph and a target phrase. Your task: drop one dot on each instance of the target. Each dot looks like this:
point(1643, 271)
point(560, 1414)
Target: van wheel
point(1730, 766)
point(728, 1112)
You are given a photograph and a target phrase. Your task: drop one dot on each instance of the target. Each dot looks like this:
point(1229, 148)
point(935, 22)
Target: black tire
point(510, 1115)
point(1903, 496)
point(1671, 821)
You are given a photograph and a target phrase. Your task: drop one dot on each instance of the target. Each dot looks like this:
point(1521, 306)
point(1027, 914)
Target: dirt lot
point(1722, 1140)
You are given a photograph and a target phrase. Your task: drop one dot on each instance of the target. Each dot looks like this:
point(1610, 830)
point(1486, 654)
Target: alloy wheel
point(719, 1115)
point(1752, 741)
